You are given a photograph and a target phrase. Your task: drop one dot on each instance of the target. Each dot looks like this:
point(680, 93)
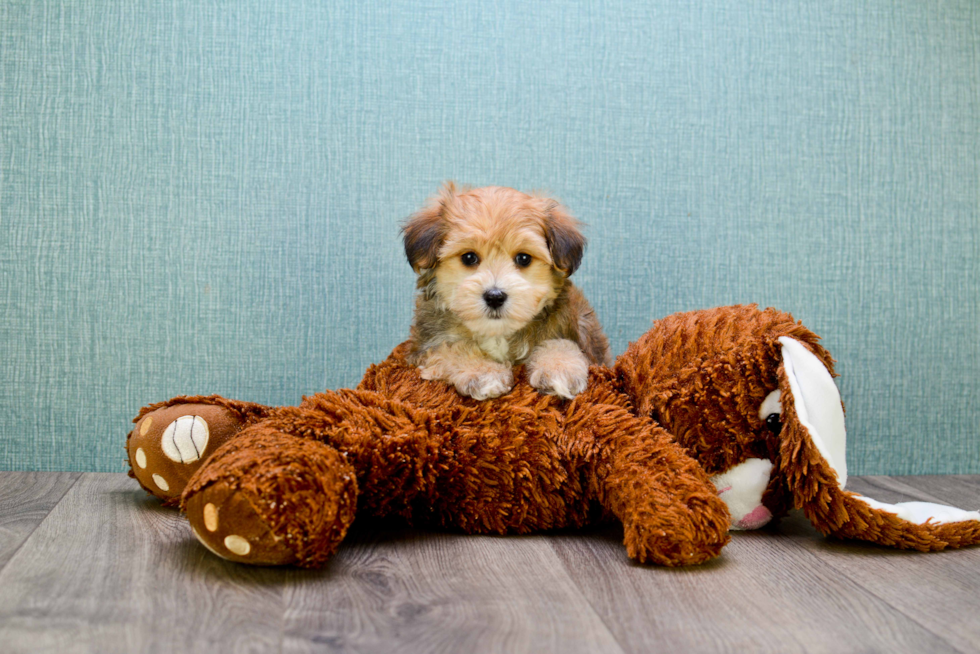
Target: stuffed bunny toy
point(713, 420)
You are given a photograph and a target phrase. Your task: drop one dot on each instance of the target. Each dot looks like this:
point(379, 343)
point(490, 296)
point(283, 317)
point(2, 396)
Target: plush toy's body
point(691, 403)
point(402, 446)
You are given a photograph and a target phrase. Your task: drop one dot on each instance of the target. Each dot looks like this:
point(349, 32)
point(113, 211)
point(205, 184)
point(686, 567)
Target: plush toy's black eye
point(470, 259)
point(773, 424)
point(522, 260)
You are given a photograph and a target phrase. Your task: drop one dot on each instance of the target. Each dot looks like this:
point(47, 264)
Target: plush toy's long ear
point(813, 464)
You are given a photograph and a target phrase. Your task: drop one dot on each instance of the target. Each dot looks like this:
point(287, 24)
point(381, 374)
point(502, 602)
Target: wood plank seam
point(913, 620)
point(852, 587)
point(585, 596)
point(912, 493)
point(27, 537)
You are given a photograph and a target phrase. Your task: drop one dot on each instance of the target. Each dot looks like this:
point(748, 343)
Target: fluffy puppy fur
point(493, 266)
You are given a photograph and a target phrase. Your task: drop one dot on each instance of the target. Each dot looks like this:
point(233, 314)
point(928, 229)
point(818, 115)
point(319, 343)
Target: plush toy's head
point(751, 395)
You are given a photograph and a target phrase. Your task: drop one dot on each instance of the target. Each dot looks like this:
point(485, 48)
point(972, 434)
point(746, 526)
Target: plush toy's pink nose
point(755, 518)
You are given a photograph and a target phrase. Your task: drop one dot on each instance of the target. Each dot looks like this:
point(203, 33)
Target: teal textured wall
point(204, 197)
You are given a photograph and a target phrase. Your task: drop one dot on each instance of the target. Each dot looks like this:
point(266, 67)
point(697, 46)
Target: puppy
point(493, 266)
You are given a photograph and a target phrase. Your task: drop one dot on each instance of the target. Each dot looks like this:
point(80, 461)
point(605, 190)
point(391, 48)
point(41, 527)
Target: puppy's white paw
point(563, 383)
point(472, 374)
point(558, 367)
point(484, 385)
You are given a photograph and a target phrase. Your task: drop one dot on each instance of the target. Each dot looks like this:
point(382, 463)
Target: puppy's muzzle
point(494, 298)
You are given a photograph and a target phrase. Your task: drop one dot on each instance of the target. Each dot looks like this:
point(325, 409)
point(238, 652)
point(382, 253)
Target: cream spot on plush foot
point(140, 457)
point(145, 427)
point(185, 439)
point(238, 545)
point(161, 483)
point(211, 517)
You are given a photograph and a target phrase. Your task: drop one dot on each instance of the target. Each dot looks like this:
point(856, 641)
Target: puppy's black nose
point(494, 298)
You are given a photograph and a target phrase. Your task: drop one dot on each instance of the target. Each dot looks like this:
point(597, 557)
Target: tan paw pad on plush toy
point(274, 500)
point(227, 524)
point(172, 440)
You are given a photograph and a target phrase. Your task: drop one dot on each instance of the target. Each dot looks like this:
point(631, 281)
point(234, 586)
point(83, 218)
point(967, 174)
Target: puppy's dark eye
point(522, 260)
point(470, 259)
point(773, 424)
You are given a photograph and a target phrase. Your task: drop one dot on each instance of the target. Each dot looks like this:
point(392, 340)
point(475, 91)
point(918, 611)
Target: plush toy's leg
point(670, 511)
point(393, 446)
point(268, 498)
point(285, 489)
point(172, 439)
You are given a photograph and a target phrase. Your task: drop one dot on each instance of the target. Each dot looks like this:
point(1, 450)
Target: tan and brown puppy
point(493, 266)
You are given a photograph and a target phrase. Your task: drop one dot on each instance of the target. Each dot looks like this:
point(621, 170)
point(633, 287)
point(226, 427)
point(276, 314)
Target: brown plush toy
point(713, 419)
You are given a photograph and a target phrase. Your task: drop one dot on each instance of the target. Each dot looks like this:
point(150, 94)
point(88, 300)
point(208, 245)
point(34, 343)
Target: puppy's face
point(495, 272)
point(498, 256)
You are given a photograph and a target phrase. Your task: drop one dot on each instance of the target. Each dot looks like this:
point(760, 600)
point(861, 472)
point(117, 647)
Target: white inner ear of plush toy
point(920, 512)
point(817, 404)
point(819, 409)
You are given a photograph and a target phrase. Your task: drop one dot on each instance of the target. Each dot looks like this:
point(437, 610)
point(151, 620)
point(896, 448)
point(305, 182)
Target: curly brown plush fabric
point(294, 509)
point(525, 463)
point(276, 485)
point(703, 375)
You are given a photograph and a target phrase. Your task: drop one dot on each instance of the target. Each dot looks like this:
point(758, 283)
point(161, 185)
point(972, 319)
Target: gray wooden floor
point(89, 563)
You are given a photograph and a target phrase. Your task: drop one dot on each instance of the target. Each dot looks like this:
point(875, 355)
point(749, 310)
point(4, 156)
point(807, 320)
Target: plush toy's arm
point(670, 511)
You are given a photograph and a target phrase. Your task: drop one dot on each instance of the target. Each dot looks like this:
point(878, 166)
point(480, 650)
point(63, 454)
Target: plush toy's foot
point(228, 524)
point(694, 534)
point(171, 441)
point(267, 498)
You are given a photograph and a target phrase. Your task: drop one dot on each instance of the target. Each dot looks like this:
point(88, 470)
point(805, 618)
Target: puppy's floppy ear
point(425, 231)
point(565, 241)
